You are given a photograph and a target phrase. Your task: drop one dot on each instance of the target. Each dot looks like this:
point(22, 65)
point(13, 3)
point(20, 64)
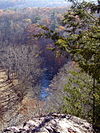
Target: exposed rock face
point(8, 96)
point(53, 123)
point(7, 91)
point(15, 106)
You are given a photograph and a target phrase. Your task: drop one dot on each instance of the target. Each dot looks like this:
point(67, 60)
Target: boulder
point(52, 123)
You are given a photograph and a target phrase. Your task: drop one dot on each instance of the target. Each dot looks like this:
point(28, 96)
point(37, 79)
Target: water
point(51, 66)
point(45, 82)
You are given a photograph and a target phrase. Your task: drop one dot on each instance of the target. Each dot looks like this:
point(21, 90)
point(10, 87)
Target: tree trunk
point(93, 118)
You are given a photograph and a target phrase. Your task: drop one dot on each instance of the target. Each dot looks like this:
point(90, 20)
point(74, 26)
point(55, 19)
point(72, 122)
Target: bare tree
point(24, 61)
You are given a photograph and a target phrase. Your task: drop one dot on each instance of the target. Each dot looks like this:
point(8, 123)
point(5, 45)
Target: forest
point(50, 62)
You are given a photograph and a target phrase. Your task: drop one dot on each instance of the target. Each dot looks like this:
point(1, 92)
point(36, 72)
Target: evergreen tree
point(82, 41)
point(78, 100)
point(81, 38)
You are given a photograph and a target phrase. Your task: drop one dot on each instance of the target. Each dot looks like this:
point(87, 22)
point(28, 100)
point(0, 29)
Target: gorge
point(49, 66)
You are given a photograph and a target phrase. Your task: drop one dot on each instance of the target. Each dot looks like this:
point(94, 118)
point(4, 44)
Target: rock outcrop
point(52, 123)
point(15, 106)
point(9, 97)
point(7, 90)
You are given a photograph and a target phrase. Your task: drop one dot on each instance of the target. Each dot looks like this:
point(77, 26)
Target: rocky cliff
point(52, 123)
point(7, 89)
point(9, 96)
point(15, 106)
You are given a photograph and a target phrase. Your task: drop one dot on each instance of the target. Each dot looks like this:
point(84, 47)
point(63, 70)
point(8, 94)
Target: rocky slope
point(8, 95)
point(15, 107)
point(52, 123)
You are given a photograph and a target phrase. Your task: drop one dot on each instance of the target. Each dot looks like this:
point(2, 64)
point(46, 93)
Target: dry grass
point(30, 106)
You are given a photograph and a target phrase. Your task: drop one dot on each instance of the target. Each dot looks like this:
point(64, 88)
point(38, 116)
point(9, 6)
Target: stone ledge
point(52, 123)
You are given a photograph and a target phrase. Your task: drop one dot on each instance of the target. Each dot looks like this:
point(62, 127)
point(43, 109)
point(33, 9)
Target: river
point(45, 82)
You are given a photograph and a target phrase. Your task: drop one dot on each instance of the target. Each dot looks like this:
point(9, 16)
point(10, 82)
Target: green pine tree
point(81, 38)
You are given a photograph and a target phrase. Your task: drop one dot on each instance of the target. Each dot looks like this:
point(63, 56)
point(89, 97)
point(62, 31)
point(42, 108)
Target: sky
point(4, 4)
point(32, 3)
point(43, 0)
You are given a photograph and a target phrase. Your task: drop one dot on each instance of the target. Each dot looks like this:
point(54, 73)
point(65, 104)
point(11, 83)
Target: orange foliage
point(28, 105)
point(33, 28)
point(61, 28)
point(1, 12)
point(46, 21)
